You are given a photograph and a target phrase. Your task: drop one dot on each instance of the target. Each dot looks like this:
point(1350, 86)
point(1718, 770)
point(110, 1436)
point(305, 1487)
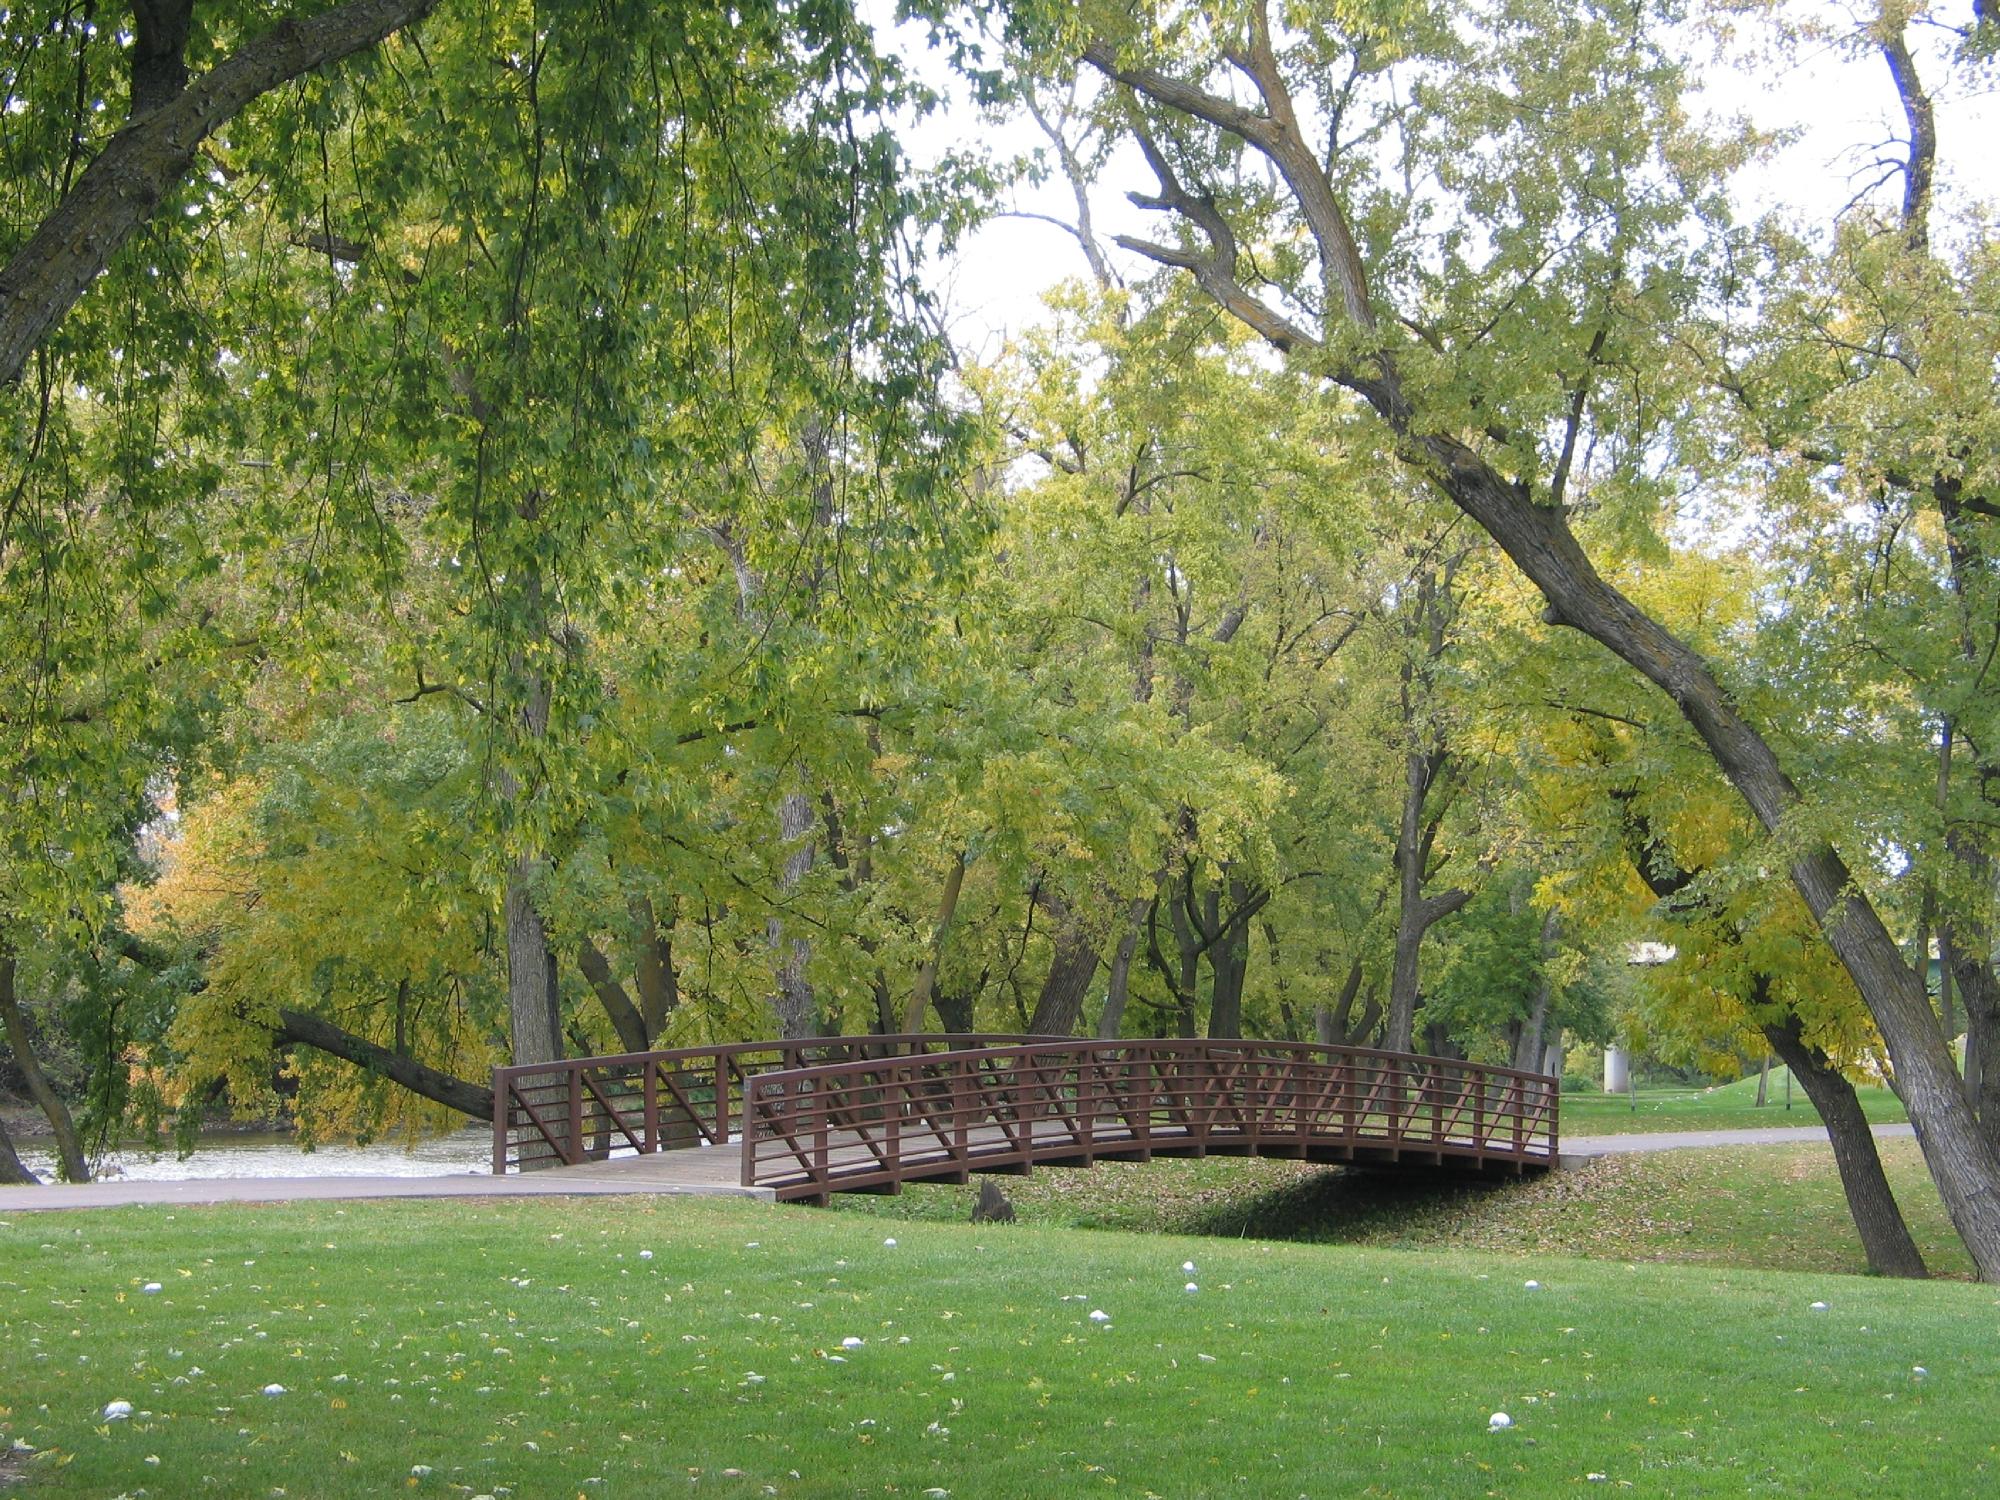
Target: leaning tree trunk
point(298, 1028)
point(1877, 1219)
point(625, 1017)
point(1539, 541)
point(1885, 1238)
point(73, 1164)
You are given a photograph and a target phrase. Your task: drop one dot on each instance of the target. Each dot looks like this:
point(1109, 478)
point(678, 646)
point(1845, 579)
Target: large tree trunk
point(1885, 1238)
point(534, 1009)
point(797, 1007)
point(653, 969)
point(73, 1164)
point(1074, 964)
point(13, 1171)
point(954, 1011)
point(920, 993)
point(1330, 1022)
point(296, 1027)
point(1534, 1033)
point(1416, 913)
point(1228, 962)
point(123, 186)
point(1969, 964)
point(1111, 1024)
point(1185, 979)
point(1288, 1016)
point(534, 999)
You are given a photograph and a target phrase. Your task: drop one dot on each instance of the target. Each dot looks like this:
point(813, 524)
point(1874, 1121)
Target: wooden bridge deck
point(801, 1120)
point(717, 1170)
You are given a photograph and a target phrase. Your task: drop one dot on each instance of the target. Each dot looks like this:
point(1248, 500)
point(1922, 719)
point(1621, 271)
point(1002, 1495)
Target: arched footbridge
point(806, 1119)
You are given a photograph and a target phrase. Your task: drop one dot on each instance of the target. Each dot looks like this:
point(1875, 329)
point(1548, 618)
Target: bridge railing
point(580, 1109)
point(874, 1122)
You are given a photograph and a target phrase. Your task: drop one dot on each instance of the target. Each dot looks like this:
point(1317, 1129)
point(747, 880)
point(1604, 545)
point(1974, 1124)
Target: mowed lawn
point(535, 1349)
point(1731, 1106)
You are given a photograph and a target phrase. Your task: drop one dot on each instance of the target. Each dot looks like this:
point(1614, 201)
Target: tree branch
point(122, 187)
point(297, 1028)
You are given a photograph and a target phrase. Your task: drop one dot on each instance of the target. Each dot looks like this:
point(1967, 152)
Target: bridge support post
point(820, 1152)
point(649, 1094)
point(503, 1120)
point(573, 1145)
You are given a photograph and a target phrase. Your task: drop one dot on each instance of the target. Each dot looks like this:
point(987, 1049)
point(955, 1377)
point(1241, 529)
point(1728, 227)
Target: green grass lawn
point(528, 1349)
point(1731, 1106)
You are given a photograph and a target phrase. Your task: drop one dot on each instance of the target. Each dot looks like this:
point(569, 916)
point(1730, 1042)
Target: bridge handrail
point(1001, 1044)
point(877, 1122)
point(557, 1104)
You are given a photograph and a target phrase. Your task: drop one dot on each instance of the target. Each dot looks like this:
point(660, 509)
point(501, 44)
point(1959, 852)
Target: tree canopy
point(502, 555)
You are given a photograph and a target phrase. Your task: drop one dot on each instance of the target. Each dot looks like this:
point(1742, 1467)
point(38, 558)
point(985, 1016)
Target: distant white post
point(1617, 1070)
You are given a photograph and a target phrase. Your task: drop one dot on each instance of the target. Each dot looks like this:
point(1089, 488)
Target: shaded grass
point(526, 1348)
point(1731, 1106)
point(1769, 1207)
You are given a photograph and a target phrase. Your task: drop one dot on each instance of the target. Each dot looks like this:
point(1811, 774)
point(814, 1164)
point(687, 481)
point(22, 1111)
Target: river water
point(228, 1155)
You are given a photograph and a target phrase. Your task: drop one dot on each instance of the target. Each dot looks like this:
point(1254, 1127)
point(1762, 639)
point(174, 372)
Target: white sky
point(1843, 108)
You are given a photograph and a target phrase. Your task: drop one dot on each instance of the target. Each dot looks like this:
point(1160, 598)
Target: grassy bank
point(1731, 1106)
point(1769, 1207)
point(534, 1349)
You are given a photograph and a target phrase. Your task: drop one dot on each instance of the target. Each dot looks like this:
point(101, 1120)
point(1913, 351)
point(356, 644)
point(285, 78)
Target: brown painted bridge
point(805, 1119)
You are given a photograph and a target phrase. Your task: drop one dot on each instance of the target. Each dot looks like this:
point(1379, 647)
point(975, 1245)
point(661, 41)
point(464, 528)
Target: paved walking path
point(670, 1173)
point(708, 1172)
point(1576, 1148)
